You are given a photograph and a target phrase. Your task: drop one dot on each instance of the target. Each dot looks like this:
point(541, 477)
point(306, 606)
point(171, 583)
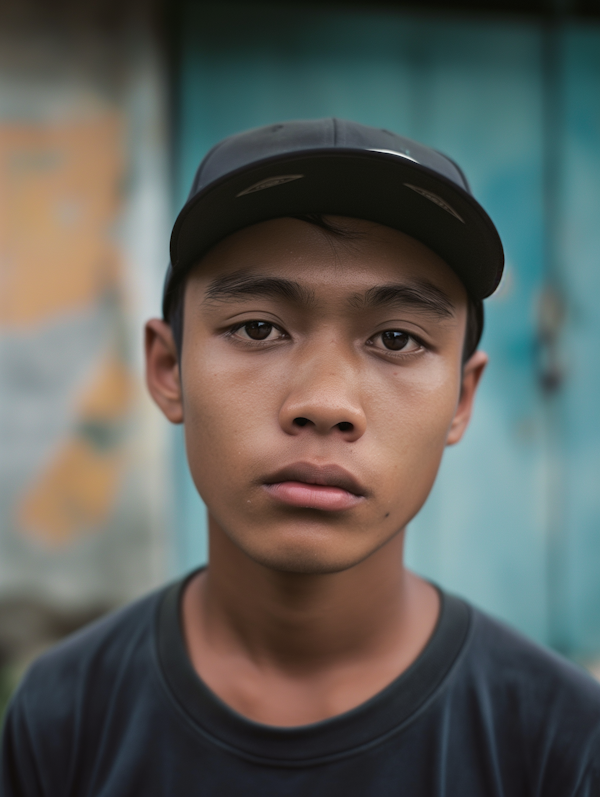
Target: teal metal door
point(513, 522)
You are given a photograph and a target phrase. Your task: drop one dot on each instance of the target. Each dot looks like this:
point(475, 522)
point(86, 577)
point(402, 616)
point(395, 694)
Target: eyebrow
point(421, 295)
point(242, 286)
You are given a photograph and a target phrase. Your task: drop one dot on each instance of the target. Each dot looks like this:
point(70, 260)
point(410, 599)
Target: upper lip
point(322, 475)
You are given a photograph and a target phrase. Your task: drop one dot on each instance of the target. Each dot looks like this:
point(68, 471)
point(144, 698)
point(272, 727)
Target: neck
point(303, 625)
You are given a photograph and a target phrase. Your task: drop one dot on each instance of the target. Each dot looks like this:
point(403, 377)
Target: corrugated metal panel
point(476, 91)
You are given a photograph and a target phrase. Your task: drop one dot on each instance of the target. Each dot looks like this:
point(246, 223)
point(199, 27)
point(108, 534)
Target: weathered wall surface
point(84, 216)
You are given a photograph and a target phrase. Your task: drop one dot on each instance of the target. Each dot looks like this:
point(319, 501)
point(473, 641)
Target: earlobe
point(162, 369)
point(471, 376)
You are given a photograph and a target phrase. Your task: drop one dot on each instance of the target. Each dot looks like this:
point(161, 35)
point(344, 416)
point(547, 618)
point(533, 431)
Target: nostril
point(300, 421)
point(345, 426)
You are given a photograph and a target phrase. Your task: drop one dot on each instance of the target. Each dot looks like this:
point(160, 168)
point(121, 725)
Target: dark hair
point(474, 328)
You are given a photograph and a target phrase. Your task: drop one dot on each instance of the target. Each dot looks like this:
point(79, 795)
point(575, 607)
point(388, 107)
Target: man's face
point(320, 384)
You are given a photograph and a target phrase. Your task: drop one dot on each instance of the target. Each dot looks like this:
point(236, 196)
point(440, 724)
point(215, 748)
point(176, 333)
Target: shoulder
point(532, 700)
point(96, 652)
point(69, 693)
point(506, 659)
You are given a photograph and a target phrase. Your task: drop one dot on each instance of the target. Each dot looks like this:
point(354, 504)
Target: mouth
point(326, 487)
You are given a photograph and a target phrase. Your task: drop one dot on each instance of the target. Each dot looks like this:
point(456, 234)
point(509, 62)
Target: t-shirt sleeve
point(19, 775)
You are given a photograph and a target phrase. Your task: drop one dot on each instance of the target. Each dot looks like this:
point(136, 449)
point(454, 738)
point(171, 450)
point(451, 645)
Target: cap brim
point(372, 185)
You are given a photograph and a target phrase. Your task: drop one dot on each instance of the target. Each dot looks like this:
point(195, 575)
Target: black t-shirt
point(118, 711)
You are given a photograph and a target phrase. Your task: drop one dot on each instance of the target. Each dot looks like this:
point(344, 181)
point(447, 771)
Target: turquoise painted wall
point(513, 522)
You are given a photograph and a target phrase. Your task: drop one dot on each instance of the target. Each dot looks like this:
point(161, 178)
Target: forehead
point(358, 256)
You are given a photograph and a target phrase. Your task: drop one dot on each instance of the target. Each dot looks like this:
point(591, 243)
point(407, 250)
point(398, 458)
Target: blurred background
point(106, 109)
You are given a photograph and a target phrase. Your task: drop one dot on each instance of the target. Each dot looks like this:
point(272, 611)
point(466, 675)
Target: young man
point(319, 342)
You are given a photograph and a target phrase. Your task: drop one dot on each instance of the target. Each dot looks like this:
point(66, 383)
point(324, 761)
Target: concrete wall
point(84, 225)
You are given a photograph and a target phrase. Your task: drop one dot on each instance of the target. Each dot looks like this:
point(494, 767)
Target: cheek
point(226, 411)
point(411, 420)
point(430, 415)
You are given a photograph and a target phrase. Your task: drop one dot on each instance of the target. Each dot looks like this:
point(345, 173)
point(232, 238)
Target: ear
point(472, 372)
point(162, 369)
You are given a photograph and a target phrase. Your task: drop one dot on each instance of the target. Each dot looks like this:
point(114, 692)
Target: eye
point(257, 330)
point(395, 340)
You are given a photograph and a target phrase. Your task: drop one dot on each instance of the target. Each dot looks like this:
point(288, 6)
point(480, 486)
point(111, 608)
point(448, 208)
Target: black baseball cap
point(333, 166)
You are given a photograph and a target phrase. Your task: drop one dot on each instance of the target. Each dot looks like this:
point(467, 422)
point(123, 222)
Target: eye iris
point(258, 330)
point(392, 339)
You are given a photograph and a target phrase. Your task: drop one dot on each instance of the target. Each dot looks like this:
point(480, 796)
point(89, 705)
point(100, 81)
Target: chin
point(306, 555)
point(307, 563)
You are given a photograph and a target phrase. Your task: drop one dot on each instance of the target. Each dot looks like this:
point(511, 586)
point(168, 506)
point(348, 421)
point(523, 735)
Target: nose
point(324, 399)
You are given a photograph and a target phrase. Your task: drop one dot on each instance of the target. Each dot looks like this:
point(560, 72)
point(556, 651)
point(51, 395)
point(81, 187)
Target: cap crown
point(260, 143)
point(336, 167)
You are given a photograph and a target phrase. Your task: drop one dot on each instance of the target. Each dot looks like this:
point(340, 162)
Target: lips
point(326, 487)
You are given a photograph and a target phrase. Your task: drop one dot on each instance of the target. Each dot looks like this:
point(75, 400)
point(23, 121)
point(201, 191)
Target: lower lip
point(313, 496)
